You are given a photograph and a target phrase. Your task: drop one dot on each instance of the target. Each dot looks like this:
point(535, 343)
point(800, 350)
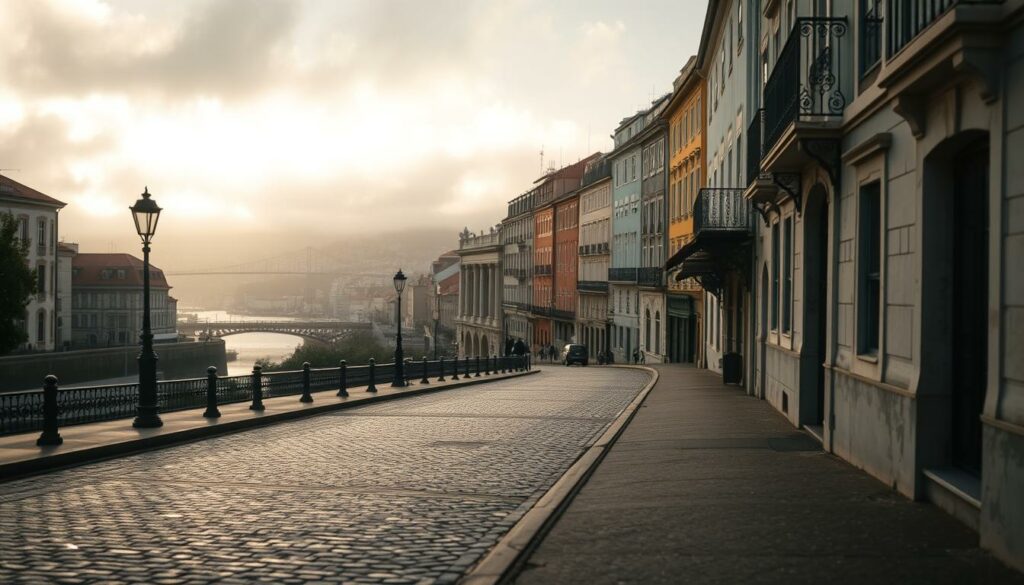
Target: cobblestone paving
point(409, 491)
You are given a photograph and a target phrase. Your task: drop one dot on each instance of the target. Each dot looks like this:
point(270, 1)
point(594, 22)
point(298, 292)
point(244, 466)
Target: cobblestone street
point(409, 491)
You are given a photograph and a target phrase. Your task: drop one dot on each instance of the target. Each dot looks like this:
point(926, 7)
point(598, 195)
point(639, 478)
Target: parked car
point(574, 353)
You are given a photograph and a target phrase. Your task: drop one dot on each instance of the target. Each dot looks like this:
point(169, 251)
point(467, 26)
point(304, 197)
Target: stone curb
point(26, 467)
point(500, 564)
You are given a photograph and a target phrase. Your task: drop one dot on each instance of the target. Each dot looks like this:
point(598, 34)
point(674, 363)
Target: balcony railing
point(650, 276)
point(592, 285)
point(469, 240)
point(871, 35)
point(807, 81)
point(723, 210)
point(622, 274)
point(542, 270)
point(908, 18)
point(593, 249)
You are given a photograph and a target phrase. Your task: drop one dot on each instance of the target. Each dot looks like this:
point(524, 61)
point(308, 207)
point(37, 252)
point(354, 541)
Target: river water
point(252, 346)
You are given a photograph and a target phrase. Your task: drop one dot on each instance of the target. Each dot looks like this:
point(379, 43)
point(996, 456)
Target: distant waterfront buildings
point(107, 301)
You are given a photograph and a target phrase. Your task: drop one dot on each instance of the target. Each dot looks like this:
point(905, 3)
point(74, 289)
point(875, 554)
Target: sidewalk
point(709, 485)
point(19, 454)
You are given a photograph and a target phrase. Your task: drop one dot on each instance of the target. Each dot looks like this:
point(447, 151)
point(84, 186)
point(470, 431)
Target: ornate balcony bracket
point(764, 207)
point(790, 183)
point(825, 151)
point(711, 283)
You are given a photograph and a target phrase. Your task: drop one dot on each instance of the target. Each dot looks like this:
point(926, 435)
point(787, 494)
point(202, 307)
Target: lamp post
point(399, 378)
point(437, 314)
point(146, 213)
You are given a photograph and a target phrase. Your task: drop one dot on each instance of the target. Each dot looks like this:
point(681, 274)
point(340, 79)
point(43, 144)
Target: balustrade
point(722, 210)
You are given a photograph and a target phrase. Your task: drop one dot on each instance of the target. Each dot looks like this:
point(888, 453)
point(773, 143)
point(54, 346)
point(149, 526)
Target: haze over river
point(252, 346)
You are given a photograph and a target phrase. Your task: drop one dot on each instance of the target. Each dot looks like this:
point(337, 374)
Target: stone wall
point(177, 360)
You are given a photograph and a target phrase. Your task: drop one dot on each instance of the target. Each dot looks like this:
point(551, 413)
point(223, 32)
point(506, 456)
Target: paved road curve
point(410, 491)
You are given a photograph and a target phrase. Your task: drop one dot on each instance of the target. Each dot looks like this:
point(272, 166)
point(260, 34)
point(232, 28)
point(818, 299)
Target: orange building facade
point(543, 283)
point(687, 171)
point(567, 238)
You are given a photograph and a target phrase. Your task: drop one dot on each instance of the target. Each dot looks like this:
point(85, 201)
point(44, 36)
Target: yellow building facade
point(685, 116)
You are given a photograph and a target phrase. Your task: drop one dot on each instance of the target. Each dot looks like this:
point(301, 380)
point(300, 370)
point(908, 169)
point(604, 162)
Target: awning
point(692, 260)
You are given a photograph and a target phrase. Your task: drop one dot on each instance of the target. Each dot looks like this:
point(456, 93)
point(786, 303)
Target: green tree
point(17, 284)
point(357, 349)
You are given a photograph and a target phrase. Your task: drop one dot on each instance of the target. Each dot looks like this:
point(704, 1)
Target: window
point(739, 25)
point(41, 233)
point(775, 276)
point(41, 326)
point(870, 35)
point(41, 279)
point(787, 274)
point(657, 332)
point(647, 329)
point(869, 268)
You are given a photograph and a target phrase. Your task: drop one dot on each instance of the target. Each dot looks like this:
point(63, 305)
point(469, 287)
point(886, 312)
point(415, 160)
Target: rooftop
point(114, 270)
point(11, 189)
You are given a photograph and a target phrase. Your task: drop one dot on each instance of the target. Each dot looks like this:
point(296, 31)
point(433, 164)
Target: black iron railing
point(807, 81)
point(909, 18)
point(723, 210)
point(542, 269)
point(592, 285)
point(650, 276)
point(871, 34)
point(622, 274)
point(755, 147)
point(22, 412)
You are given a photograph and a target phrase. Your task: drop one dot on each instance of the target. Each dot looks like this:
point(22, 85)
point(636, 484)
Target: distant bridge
point(325, 331)
point(308, 261)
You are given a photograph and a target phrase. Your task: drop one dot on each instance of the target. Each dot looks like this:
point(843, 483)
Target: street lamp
point(146, 214)
point(399, 379)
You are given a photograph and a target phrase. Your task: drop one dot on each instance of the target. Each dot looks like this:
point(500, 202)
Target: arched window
point(647, 328)
point(657, 332)
point(41, 326)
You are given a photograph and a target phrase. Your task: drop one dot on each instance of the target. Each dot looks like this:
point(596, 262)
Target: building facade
point(685, 298)
point(887, 295)
point(479, 326)
point(517, 254)
point(624, 296)
point(107, 301)
point(66, 253)
point(566, 264)
point(594, 256)
point(36, 215)
point(653, 232)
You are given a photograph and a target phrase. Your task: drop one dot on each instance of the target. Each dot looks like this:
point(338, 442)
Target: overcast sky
point(280, 123)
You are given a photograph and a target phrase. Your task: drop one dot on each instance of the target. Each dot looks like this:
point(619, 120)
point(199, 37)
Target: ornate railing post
point(455, 368)
point(211, 393)
point(503, 360)
point(440, 366)
point(50, 435)
point(342, 379)
point(466, 371)
point(306, 396)
point(257, 390)
point(424, 379)
point(372, 387)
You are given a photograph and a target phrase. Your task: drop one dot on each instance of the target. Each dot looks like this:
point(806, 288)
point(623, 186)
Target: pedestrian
point(636, 356)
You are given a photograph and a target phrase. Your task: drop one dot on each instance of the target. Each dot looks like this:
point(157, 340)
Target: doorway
point(970, 303)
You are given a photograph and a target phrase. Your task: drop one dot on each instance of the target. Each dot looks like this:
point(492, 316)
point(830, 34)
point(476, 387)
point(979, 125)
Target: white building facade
point(36, 215)
point(594, 257)
point(479, 325)
point(889, 287)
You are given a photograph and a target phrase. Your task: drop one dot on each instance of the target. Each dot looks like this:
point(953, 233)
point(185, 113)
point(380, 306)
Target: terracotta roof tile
point(11, 189)
point(88, 270)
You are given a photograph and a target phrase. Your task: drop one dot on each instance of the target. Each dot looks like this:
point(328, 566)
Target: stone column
point(478, 282)
point(462, 291)
point(499, 288)
point(483, 292)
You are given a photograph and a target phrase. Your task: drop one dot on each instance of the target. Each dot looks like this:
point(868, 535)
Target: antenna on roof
point(541, 158)
point(2, 170)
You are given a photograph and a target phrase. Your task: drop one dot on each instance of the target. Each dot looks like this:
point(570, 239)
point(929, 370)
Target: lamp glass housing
point(146, 214)
point(399, 282)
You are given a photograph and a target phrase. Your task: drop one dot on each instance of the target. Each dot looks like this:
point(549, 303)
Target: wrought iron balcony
point(542, 270)
point(808, 81)
point(722, 210)
point(599, 286)
point(650, 276)
point(563, 315)
point(622, 274)
point(909, 18)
